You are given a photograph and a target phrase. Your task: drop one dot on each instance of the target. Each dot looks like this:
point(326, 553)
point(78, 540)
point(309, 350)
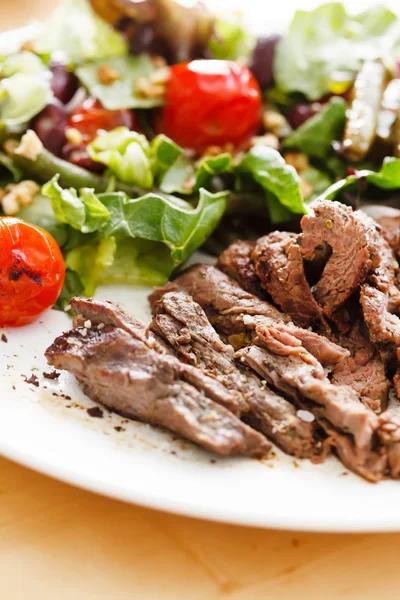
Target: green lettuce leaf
point(90, 261)
point(139, 262)
point(267, 167)
point(316, 135)
point(72, 287)
point(122, 93)
point(173, 222)
point(388, 178)
point(22, 62)
point(231, 39)
point(76, 30)
point(22, 97)
point(84, 212)
point(9, 172)
point(131, 158)
point(328, 43)
point(187, 177)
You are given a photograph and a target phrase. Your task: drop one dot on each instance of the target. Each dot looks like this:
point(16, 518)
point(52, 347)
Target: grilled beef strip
point(235, 313)
point(128, 376)
point(279, 265)
point(105, 312)
point(236, 262)
point(363, 370)
point(351, 427)
point(349, 245)
point(182, 323)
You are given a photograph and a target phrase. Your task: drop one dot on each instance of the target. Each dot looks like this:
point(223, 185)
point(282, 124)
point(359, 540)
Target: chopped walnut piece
point(153, 86)
point(18, 195)
point(107, 74)
point(216, 150)
point(10, 146)
point(30, 146)
point(28, 46)
point(276, 123)
point(268, 139)
point(298, 160)
point(159, 61)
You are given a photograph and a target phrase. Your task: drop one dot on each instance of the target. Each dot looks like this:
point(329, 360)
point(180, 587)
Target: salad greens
point(387, 178)
point(231, 40)
point(22, 97)
point(327, 44)
point(74, 29)
point(315, 136)
point(123, 91)
point(116, 227)
point(279, 180)
point(131, 158)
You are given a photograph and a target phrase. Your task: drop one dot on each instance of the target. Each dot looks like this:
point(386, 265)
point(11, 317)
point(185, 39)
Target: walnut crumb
point(18, 195)
point(30, 146)
point(107, 75)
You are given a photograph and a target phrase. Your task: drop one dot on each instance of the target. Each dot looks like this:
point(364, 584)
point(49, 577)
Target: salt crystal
point(88, 324)
point(306, 416)
point(247, 319)
point(100, 326)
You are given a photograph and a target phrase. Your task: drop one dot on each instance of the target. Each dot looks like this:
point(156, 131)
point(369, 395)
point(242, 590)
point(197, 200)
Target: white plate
point(55, 435)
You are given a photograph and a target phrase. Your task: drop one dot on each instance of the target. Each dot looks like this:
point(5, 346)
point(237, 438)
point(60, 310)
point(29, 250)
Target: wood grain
point(58, 542)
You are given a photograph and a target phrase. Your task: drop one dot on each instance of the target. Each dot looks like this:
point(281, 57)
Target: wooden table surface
point(58, 542)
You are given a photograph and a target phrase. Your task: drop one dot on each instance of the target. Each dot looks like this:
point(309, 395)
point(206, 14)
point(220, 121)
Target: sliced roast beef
point(350, 246)
point(95, 312)
point(389, 220)
point(363, 370)
point(182, 323)
point(279, 265)
point(235, 313)
point(351, 426)
point(236, 262)
point(128, 376)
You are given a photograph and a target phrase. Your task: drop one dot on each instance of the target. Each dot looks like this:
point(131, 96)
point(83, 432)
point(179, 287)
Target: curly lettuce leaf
point(316, 135)
point(327, 41)
point(187, 177)
point(22, 62)
point(231, 39)
point(131, 158)
point(22, 97)
point(173, 222)
point(139, 262)
point(74, 29)
point(123, 92)
point(83, 212)
point(269, 170)
point(387, 178)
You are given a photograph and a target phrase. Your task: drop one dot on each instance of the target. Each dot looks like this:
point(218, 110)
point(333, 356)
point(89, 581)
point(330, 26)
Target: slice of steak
point(182, 323)
point(235, 313)
point(363, 370)
point(101, 313)
point(236, 262)
point(279, 265)
point(125, 375)
point(383, 327)
point(96, 313)
point(389, 433)
point(350, 247)
point(389, 220)
point(350, 425)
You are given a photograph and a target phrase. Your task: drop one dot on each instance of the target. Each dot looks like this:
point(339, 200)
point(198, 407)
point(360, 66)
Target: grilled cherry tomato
point(91, 117)
point(210, 102)
point(31, 271)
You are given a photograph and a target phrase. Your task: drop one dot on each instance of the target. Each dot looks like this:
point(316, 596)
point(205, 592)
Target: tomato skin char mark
point(15, 274)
